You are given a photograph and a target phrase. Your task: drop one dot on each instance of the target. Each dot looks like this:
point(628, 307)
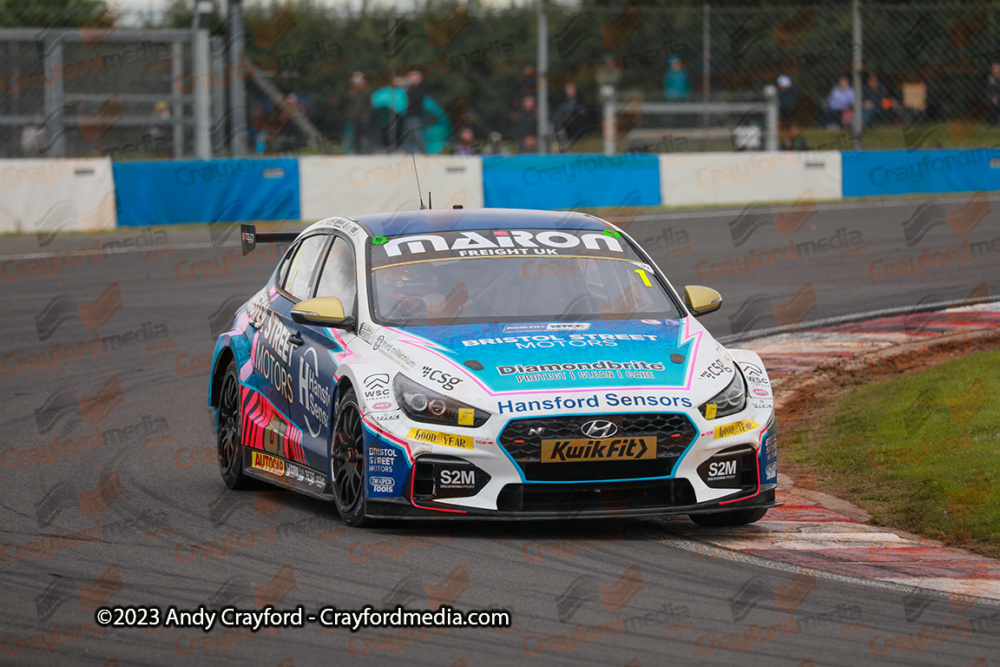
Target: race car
point(489, 364)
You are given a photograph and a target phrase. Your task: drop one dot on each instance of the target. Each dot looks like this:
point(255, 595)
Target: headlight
point(423, 405)
point(729, 401)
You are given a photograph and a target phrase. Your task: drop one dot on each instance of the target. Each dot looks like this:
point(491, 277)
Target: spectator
point(839, 105)
point(496, 146)
point(570, 119)
point(787, 99)
point(526, 125)
point(993, 93)
point(413, 124)
point(876, 105)
point(675, 83)
point(793, 139)
point(526, 84)
point(358, 134)
point(466, 145)
point(610, 73)
point(160, 125)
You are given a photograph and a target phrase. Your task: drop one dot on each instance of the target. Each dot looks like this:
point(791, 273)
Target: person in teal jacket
point(675, 83)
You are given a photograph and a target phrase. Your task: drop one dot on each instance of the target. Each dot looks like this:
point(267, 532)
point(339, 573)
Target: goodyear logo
point(604, 449)
point(735, 428)
point(438, 438)
point(268, 463)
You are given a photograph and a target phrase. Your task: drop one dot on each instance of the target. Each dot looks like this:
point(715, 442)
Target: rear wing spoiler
point(249, 238)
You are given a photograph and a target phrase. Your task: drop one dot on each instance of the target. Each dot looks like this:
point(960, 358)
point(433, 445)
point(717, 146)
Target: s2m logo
point(722, 469)
point(458, 477)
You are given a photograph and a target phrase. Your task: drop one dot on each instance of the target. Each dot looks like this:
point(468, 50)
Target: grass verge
point(920, 451)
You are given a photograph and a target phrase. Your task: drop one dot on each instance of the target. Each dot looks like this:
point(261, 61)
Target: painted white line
point(816, 541)
point(706, 551)
point(961, 590)
point(113, 251)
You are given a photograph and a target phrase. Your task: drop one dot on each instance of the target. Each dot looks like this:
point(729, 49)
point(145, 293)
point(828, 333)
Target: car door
point(276, 345)
point(322, 350)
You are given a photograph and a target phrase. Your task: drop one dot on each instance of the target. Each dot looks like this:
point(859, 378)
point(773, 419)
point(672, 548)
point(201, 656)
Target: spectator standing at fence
point(793, 139)
point(159, 128)
point(787, 99)
point(876, 104)
point(413, 123)
point(839, 105)
point(466, 142)
point(357, 134)
point(496, 146)
point(526, 125)
point(570, 119)
point(992, 93)
point(675, 84)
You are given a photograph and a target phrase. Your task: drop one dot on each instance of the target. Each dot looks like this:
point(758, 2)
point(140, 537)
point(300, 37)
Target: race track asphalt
point(131, 472)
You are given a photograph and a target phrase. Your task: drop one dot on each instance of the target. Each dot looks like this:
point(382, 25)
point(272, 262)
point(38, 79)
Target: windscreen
point(475, 277)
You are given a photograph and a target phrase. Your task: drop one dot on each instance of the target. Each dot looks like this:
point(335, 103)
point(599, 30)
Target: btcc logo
point(619, 449)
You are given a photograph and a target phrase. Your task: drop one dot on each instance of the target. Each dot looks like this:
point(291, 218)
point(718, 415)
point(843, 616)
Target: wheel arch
point(222, 362)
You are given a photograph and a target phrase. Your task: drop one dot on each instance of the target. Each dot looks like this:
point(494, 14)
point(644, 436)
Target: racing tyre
point(229, 432)
point(347, 461)
point(728, 519)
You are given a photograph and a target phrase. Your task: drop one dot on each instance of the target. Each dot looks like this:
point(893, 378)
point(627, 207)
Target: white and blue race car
point(487, 364)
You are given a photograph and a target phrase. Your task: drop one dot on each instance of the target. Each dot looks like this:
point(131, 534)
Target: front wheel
point(729, 519)
point(229, 432)
point(347, 461)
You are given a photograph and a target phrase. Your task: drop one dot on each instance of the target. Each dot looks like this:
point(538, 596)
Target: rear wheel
point(730, 518)
point(229, 431)
point(347, 461)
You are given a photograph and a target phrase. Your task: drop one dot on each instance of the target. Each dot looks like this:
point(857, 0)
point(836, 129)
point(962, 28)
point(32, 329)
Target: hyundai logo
point(599, 428)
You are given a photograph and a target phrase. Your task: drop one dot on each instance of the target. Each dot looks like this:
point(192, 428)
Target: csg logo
point(446, 380)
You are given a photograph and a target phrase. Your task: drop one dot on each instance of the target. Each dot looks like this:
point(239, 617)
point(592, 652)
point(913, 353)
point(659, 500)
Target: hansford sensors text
point(269, 617)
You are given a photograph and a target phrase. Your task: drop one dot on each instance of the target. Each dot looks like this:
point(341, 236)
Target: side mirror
point(325, 311)
point(702, 300)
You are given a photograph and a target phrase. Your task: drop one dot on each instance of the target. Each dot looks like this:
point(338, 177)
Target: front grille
point(674, 432)
point(612, 499)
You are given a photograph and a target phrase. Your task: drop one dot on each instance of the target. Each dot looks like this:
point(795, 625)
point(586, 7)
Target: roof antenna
point(417, 176)
point(429, 204)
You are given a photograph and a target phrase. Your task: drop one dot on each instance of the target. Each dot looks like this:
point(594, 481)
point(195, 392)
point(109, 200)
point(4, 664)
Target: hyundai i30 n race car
point(489, 364)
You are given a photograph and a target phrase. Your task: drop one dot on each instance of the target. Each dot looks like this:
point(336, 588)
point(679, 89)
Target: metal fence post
point(55, 117)
point(237, 86)
point(177, 109)
point(771, 118)
point(202, 106)
point(856, 124)
point(543, 83)
point(706, 50)
point(610, 132)
point(218, 134)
